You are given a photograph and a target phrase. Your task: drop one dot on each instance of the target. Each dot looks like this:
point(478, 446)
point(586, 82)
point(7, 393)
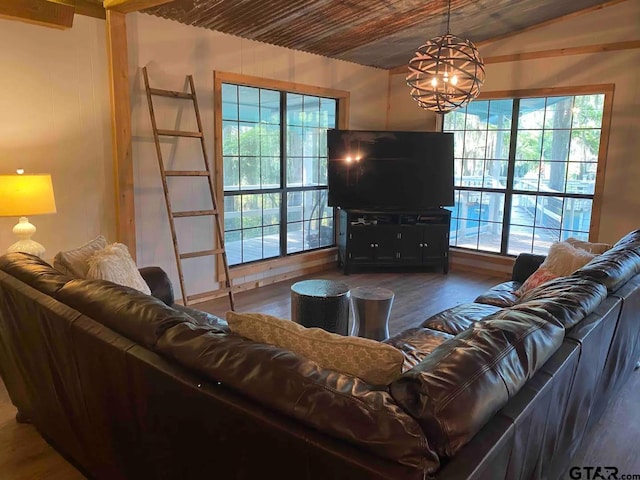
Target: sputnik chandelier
point(446, 72)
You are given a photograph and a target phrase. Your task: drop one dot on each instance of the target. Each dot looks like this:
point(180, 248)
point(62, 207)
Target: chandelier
point(446, 72)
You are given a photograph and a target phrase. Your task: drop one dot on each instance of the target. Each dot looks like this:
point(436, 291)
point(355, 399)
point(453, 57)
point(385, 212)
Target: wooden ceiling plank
point(128, 6)
point(38, 12)
point(85, 7)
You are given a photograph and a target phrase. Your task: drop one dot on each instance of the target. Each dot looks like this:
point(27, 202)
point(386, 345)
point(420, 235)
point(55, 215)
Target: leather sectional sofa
point(128, 385)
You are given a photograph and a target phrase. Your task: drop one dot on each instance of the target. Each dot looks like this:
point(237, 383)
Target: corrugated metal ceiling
point(383, 34)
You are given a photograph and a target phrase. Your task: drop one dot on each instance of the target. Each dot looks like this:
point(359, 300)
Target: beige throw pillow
point(591, 247)
point(114, 263)
point(74, 262)
point(563, 258)
point(374, 362)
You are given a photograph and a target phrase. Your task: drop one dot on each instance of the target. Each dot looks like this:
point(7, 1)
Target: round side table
point(371, 309)
point(321, 303)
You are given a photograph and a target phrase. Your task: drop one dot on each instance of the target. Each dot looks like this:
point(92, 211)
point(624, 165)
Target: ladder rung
point(179, 133)
point(203, 253)
point(195, 213)
point(170, 93)
point(208, 295)
point(186, 173)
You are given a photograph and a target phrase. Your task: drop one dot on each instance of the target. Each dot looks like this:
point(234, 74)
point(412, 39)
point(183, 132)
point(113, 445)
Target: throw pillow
point(74, 262)
point(537, 278)
point(564, 259)
point(114, 263)
point(374, 362)
point(591, 247)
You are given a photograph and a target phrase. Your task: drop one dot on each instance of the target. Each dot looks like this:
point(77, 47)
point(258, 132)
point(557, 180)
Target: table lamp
point(22, 195)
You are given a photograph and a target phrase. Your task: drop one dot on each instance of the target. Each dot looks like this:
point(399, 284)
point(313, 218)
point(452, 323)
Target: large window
point(274, 157)
point(525, 171)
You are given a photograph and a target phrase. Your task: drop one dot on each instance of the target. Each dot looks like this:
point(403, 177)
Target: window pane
point(270, 140)
point(249, 173)
point(500, 114)
point(270, 107)
point(231, 167)
point(498, 144)
point(229, 102)
point(529, 145)
point(558, 112)
point(495, 174)
point(270, 172)
point(294, 109)
point(294, 171)
point(531, 113)
point(328, 113)
point(587, 111)
point(526, 175)
point(249, 104)
point(230, 138)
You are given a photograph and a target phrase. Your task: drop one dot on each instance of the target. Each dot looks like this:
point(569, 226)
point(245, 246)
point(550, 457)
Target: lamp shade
point(25, 195)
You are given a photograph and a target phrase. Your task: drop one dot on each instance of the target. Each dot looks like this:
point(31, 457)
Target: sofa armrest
point(525, 265)
point(159, 283)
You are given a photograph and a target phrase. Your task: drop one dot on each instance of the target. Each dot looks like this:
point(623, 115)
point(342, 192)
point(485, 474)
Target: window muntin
point(525, 171)
point(269, 156)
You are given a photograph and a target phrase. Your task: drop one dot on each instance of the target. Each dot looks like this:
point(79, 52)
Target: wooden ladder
point(157, 133)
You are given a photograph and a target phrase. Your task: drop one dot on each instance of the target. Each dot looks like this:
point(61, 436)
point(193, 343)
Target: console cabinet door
point(361, 244)
point(410, 245)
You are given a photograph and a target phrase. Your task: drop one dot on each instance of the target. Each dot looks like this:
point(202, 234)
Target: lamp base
point(24, 230)
point(27, 246)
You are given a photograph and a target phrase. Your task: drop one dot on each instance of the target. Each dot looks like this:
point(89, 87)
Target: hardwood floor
point(24, 455)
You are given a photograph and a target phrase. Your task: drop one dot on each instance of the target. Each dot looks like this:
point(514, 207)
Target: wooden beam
point(121, 128)
point(561, 52)
point(84, 7)
point(128, 6)
point(38, 12)
point(556, 52)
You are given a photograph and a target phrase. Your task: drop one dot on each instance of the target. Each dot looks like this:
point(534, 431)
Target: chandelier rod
point(448, 17)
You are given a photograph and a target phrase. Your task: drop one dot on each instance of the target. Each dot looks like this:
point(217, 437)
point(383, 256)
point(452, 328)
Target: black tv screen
point(379, 170)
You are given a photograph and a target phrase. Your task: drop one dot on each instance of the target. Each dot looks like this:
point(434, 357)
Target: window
point(526, 171)
point(274, 163)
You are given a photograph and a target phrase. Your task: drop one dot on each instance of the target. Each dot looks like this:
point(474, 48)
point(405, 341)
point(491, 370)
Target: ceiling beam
point(84, 7)
point(38, 12)
point(128, 6)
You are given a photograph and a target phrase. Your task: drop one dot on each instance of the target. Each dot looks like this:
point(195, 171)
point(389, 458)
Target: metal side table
point(371, 308)
point(321, 303)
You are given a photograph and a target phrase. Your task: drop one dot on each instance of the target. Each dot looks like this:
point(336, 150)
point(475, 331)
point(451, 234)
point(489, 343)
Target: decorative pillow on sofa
point(563, 259)
point(374, 362)
point(114, 263)
point(596, 248)
point(74, 262)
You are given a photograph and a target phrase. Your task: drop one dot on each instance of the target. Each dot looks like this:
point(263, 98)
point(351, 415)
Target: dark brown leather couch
point(131, 386)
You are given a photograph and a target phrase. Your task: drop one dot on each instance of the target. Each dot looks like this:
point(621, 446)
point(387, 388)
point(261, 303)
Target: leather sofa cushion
point(564, 299)
point(501, 295)
point(139, 317)
point(417, 343)
point(460, 386)
point(338, 404)
point(458, 319)
point(617, 265)
point(33, 271)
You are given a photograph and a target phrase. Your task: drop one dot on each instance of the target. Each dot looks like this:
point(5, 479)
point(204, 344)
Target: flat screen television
point(389, 171)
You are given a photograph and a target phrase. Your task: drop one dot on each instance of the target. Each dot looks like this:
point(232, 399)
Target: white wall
point(620, 22)
point(170, 51)
point(55, 118)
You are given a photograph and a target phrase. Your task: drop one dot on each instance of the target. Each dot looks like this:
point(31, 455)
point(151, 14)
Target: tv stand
point(393, 239)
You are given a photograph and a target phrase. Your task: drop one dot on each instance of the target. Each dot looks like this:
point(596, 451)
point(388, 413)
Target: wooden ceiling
point(377, 33)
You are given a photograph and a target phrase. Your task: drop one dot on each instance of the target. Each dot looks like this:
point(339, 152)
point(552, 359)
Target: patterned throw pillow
point(74, 262)
point(563, 259)
point(374, 362)
point(540, 276)
point(114, 263)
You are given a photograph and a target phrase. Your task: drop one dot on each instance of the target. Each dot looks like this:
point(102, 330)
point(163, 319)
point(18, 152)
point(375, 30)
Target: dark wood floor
point(24, 455)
